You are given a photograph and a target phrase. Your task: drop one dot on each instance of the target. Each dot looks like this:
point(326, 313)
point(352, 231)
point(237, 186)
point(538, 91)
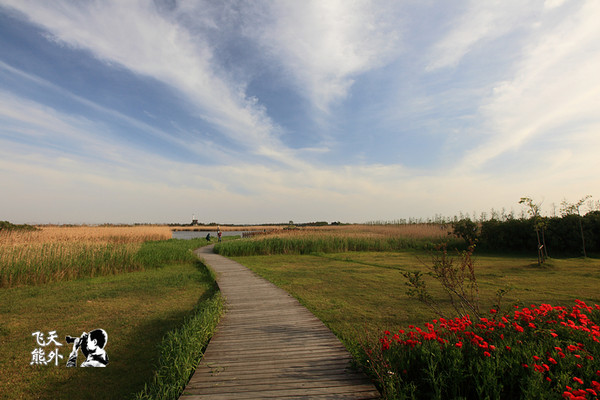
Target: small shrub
point(458, 280)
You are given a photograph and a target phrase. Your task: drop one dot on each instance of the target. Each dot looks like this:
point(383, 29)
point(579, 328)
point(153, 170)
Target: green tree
point(539, 224)
point(573, 209)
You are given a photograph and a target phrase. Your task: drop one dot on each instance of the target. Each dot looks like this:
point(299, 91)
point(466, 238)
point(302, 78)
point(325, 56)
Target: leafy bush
point(591, 228)
point(7, 226)
point(509, 235)
point(562, 234)
point(466, 230)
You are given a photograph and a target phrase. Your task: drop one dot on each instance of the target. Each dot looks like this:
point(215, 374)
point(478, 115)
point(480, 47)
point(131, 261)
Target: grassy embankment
point(156, 301)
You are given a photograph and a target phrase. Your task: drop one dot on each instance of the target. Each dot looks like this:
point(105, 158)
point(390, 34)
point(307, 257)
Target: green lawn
point(356, 293)
point(136, 309)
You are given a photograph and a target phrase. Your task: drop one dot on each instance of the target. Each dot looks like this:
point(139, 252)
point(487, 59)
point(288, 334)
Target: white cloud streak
point(25, 117)
point(324, 45)
point(482, 22)
point(134, 35)
point(554, 90)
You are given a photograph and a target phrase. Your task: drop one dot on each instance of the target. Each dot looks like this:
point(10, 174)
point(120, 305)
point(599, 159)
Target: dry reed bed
point(62, 253)
point(413, 231)
point(102, 234)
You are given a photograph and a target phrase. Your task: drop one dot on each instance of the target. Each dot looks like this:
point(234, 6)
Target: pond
point(202, 234)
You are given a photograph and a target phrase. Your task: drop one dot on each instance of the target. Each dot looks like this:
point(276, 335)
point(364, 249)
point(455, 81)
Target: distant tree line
point(316, 223)
point(7, 226)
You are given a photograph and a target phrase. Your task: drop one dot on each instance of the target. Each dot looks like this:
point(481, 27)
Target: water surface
point(202, 234)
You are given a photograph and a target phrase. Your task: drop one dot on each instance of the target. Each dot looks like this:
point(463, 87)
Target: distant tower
point(194, 220)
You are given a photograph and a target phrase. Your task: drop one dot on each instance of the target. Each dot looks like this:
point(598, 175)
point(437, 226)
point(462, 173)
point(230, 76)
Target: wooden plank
point(312, 362)
point(266, 348)
point(289, 395)
point(278, 384)
point(225, 373)
point(269, 346)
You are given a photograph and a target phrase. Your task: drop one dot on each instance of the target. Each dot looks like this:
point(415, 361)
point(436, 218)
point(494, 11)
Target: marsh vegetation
point(157, 302)
point(156, 299)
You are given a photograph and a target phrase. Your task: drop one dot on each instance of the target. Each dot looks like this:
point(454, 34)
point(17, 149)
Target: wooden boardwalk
point(268, 346)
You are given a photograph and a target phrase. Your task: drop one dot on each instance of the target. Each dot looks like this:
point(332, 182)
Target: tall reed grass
point(181, 350)
point(338, 239)
point(62, 253)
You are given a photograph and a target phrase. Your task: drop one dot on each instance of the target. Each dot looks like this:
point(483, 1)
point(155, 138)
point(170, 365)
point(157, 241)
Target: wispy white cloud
point(324, 45)
point(553, 92)
point(135, 35)
point(42, 125)
point(483, 21)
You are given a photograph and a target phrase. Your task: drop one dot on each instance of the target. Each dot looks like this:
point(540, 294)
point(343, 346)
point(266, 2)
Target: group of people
point(219, 234)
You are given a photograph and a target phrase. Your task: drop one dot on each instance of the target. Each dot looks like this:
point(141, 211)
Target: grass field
point(153, 314)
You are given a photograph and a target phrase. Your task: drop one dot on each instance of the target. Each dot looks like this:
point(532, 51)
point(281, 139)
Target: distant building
point(194, 220)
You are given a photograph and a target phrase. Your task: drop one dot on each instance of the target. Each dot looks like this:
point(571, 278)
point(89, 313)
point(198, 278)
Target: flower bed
point(536, 352)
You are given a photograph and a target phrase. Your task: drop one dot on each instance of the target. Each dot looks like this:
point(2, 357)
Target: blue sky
point(249, 112)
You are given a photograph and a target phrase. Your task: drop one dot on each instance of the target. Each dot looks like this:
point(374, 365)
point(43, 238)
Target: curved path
point(268, 346)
